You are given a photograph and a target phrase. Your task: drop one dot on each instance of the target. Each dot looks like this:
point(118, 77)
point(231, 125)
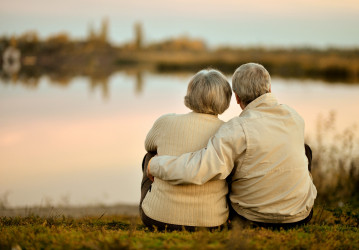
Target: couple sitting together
point(254, 169)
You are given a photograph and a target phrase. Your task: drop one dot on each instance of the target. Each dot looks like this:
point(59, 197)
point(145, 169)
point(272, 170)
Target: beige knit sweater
point(190, 205)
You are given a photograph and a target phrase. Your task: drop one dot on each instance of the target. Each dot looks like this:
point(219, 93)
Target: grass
point(330, 228)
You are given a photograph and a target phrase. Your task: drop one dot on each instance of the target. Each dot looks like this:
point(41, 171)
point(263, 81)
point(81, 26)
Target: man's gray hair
point(250, 81)
point(208, 92)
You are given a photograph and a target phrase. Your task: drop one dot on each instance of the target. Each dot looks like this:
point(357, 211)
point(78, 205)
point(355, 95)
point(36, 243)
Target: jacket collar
point(265, 100)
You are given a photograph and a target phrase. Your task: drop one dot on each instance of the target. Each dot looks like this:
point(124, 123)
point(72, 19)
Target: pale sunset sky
point(319, 23)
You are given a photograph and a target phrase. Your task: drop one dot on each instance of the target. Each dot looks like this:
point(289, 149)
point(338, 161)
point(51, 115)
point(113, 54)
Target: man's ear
point(237, 99)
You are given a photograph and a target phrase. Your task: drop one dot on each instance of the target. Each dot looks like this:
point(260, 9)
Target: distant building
point(138, 36)
point(101, 35)
point(91, 32)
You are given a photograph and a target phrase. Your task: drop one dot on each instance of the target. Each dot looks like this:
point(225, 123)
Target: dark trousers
point(233, 216)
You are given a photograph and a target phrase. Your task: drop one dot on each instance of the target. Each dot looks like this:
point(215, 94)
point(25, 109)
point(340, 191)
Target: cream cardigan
point(264, 147)
point(190, 205)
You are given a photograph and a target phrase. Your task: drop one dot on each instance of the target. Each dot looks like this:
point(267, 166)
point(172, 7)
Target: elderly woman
point(166, 206)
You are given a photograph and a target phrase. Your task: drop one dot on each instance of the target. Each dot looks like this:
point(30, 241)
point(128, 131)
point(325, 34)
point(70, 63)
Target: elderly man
point(262, 152)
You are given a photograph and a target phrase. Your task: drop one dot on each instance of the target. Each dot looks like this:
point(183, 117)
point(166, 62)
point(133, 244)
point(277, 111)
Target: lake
point(81, 142)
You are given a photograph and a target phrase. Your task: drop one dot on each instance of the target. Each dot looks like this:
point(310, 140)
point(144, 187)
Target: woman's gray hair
point(250, 81)
point(208, 92)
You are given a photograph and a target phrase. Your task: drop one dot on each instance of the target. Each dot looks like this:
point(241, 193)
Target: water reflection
point(95, 82)
point(100, 80)
point(101, 83)
point(68, 141)
point(139, 82)
point(11, 61)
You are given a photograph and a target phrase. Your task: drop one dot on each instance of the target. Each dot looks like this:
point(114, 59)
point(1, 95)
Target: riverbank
point(71, 211)
point(61, 58)
point(330, 228)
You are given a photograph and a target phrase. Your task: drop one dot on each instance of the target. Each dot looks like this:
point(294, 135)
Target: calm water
point(83, 143)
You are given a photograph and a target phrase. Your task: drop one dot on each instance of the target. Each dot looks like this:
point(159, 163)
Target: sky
point(319, 23)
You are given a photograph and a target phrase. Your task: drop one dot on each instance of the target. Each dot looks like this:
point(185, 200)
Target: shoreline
point(71, 211)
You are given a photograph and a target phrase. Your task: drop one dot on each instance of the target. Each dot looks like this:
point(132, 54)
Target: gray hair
point(208, 92)
point(250, 81)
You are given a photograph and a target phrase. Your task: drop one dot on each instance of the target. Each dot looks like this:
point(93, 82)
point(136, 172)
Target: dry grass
point(335, 165)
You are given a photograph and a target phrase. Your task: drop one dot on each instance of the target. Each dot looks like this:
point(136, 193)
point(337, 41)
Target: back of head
point(250, 81)
point(208, 92)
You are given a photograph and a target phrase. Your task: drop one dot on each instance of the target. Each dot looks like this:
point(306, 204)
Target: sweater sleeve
point(216, 161)
point(151, 142)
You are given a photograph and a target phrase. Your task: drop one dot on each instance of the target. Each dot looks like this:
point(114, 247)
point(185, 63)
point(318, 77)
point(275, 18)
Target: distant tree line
point(96, 55)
